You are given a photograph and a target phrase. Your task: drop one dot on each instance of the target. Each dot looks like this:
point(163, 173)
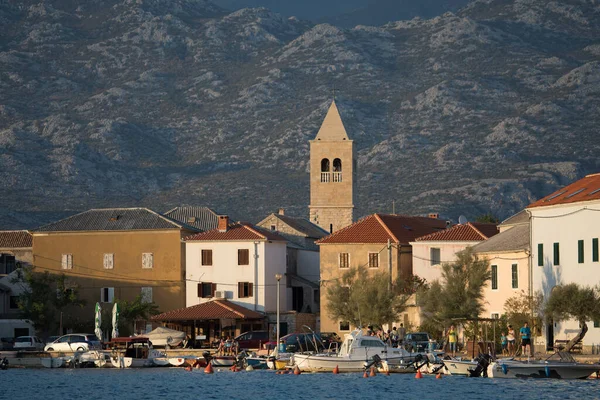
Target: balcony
point(331, 177)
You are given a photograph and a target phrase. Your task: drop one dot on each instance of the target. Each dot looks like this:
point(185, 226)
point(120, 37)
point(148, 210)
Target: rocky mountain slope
point(169, 102)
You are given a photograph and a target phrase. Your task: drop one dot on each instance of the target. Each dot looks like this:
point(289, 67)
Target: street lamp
point(278, 277)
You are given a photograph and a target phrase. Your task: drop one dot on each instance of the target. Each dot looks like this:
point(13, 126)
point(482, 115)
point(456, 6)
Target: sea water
point(176, 383)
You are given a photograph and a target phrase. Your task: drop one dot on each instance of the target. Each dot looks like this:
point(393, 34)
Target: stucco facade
point(429, 269)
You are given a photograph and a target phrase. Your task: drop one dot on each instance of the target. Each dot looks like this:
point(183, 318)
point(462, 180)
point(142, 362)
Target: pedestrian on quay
point(525, 332)
point(504, 343)
point(510, 337)
point(452, 339)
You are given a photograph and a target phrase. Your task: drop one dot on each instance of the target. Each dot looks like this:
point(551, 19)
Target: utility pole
point(389, 248)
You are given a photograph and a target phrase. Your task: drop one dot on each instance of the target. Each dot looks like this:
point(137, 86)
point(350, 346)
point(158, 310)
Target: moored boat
point(565, 368)
point(131, 352)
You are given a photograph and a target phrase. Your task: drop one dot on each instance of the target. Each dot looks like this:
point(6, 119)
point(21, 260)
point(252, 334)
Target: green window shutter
point(515, 276)
point(540, 255)
point(580, 251)
point(595, 250)
point(494, 277)
point(556, 254)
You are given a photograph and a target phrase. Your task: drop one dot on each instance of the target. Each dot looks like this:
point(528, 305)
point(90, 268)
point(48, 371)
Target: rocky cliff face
point(161, 103)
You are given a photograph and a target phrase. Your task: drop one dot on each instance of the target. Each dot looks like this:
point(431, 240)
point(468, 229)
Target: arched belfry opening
point(325, 167)
point(337, 170)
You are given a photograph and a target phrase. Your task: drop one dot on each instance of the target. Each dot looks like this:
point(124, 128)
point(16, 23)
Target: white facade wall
point(226, 272)
point(566, 225)
point(421, 253)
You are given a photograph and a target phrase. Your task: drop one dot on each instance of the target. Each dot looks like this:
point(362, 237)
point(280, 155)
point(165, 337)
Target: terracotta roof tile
point(378, 228)
point(15, 239)
point(585, 189)
point(215, 309)
point(237, 231)
point(469, 232)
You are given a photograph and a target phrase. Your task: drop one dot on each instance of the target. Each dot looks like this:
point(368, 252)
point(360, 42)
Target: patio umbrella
point(115, 320)
point(98, 321)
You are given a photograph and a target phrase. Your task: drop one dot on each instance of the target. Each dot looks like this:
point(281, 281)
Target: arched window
point(337, 165)
point(325, 165)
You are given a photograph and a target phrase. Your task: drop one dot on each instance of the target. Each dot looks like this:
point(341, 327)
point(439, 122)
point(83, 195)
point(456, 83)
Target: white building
point(237, 262)
point(565, 228)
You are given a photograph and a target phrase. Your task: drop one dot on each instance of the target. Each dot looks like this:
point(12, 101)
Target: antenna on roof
point(462, 220)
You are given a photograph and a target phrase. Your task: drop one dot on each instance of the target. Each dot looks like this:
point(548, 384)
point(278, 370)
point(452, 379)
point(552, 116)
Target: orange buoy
point(419, 375)
point(208, 369)
point(372, 373)
point(336, 370)
point(438, 376)
point(365, 375)
point(296, 370)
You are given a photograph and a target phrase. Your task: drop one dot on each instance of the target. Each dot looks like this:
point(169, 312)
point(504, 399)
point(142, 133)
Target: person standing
point(504, 343)
point(510, 338)
point(525, 339)
point(452, 339)
point(401, 334)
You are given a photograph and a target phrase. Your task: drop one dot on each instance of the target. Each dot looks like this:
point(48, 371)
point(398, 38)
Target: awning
point(214, 309)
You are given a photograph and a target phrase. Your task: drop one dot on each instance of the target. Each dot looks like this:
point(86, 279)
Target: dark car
point(7, 343)
point(300, 342)
point(252, 339)
point(331, 340)
point(417, 342)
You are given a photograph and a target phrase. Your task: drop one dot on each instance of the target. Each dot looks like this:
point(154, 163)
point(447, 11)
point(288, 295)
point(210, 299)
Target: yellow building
point(116, 253)
point(365, 243)
point(332, 174)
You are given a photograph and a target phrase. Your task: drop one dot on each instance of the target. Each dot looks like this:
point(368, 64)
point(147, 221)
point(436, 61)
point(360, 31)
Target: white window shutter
point(102, 299)
point(147, 260)
point(65, 261)
point(109, 260)
point(111, 295)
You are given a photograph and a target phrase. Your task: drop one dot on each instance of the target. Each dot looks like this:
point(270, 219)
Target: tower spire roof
point(332, 127)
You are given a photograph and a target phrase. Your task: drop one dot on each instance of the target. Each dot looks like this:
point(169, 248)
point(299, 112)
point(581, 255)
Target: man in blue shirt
point(526, 339)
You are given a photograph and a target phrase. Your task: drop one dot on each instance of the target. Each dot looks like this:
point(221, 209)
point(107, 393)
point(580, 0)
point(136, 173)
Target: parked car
point(28, 343)
point(75, 342)
point(51, 339)
point(417, 342)
point(252, 339)
point(299, 341)
point(331, 340)
point(7, 343)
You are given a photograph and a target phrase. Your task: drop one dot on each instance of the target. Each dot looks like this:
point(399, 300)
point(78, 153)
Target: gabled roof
point(378, 228)
point(585, 189)
point(332, 127)
point(214, 309)
point(113, 219)
point(522, 217)
point(236, 231)
point(302, 225)
point(469, 232)
point(15, 239)
point(202, 218)
point(513, 239)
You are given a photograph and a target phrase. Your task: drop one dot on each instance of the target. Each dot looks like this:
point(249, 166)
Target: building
point(15, 250)
point(564, 239)
point(116, 253)
point(202, 218)
point(508, 254)
point(303, 263)
point(365, 243)
point(332, 174)
point(431, 251)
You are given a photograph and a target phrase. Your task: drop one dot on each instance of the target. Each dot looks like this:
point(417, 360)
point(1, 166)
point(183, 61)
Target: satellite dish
point(462, 220)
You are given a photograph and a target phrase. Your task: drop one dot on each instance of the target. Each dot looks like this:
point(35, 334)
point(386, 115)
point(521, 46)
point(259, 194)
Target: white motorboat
point(457, 366)
point(355, 353)
point(131, 352)
point(53, 362)
point(223, 361)
point(165, 337)
point(560, 369)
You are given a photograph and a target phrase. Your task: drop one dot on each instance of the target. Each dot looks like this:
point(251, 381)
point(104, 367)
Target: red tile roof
point(237, 231)
point(469, 232)
point(378, 228)
point(585, 189)
point(214, 309)
point(15, 239)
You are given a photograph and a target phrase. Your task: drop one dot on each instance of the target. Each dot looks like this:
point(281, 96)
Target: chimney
point(281, 211)
point(223, 223)
point(434, 215)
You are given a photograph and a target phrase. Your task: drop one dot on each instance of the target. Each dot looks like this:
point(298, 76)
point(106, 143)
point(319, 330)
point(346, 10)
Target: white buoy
point(249, 368)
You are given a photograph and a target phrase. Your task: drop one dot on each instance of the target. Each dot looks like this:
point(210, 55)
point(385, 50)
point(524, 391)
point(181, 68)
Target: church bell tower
point(332, 174)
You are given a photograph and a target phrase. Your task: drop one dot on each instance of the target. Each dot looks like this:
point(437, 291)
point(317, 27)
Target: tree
point(522, 308)
point(459, 293)
point(487, 218)
point(43, 297)
point(573, 301)
point(363, 297)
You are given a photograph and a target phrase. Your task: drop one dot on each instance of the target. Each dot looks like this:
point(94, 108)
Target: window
point(244, 289)
point(107, 295)
point(435, 256)
point(580, 257)
point(206, 257)
point(595, 250)
point(206, 289)
point(316, 296)
point(495, 315)
point(243, 257)
point(330, 228)
point(373, 260)
point(515, 276)
point(147, 260)
point(344, 326)
point(146, 293)
point(13, 302)
point(344, 260)
point(540, 255)
point(325, 165)
point(494, 277)
point(596, 324)
point(109, 260)
point(337, 170)
point(273, 228)
point(556, 254)
point(67, 261)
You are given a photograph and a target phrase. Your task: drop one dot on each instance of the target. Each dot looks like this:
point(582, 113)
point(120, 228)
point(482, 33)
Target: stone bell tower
point(332, 174)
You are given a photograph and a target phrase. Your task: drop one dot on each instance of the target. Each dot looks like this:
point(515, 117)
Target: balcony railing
point(331, 176)
point(325, 177)
point(337, 176)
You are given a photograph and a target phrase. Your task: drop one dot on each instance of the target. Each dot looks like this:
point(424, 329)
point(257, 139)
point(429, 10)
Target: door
point(550, 336)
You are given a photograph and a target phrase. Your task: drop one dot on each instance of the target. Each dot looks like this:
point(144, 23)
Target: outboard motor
point(4, 363)
point(483, 361)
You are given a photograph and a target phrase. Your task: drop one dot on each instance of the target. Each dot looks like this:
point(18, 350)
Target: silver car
point(75, 342)
point(28, 343)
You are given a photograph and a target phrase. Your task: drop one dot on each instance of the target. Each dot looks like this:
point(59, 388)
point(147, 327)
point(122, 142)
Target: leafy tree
point(487, 218)
point(522, 308)
point(129, 312)
point(459, 294)
point(363, 297)
point(43, 297)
